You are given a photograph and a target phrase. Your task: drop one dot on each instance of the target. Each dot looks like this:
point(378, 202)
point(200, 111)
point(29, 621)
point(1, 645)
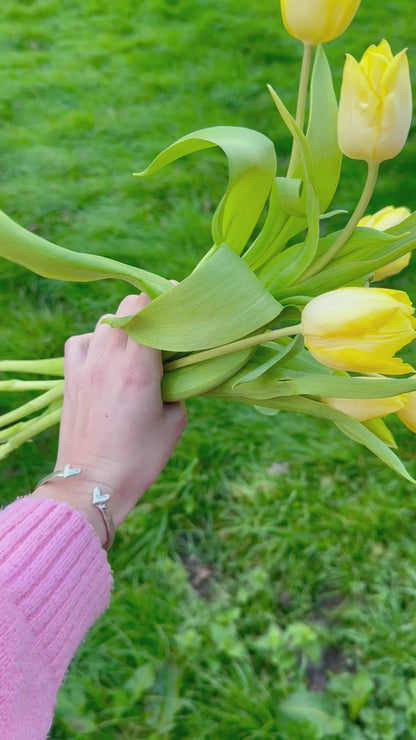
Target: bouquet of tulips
point(288, 320)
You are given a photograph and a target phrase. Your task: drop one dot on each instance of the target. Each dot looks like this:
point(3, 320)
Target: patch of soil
point(334, 660)
point(200, 575)
point(321, 613)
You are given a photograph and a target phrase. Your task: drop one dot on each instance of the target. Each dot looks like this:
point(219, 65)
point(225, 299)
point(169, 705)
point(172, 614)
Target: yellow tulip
point(359, 329)
point(385, 218)
point(375, 107)
point(315, 21)
point(392, 268)
point(365, 409)
point(382, 220)
point(408, 414)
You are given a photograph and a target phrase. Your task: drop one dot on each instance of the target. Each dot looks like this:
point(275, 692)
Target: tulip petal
point(339, 17)
point(385, 218)
point(305, 24)
point(366, 409)
point(366, 310)
point(408, 414)
point(381, 430)
point(397, 109)
point(360, 360)
point(358, 113)
point(375, 67)
point(393, 268)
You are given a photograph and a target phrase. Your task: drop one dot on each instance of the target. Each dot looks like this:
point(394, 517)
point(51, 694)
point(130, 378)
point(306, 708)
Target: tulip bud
point(315, 21)
point(408, 413)
point(359, 329)
point(384, 219)
point(375, 107)
point(364, 409)
point(392, 268)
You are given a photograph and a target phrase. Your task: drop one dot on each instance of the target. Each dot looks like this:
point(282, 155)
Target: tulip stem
point(29, 429)
point(225, 349)
point(348, 230)
point(301, 102)
point(34, 405)
point(16, 384)
point(54, 366)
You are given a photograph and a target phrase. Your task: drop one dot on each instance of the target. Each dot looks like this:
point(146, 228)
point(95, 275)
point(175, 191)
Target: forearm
point(56, 581)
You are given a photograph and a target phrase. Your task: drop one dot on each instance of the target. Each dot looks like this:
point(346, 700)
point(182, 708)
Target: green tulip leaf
point(260, 377)
point(257, 381)
point(364, 436)
point(48, 260)
point(220, 302)
point(270, 355)
point(288, 215)
point(350, 427)
point(336, 386)
point(366, 251)
point(381, 430)
point(331, 214)
point(289, 192)
point(306, 254)
point(324, 170)
point(195, 380)
point(272, 237)
point(252, 167)
point(266, 411)
point(321, 133)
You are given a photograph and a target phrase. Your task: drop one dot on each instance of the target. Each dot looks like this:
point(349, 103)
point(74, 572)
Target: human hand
point(114, 424)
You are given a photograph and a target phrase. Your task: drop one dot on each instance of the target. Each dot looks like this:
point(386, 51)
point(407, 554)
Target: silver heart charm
point(68, 471)
point(98, 497)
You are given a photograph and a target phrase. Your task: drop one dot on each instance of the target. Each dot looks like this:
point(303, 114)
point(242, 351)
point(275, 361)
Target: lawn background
point(265, 588)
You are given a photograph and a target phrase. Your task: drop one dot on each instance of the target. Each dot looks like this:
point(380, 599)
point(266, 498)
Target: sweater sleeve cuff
point(57, 573)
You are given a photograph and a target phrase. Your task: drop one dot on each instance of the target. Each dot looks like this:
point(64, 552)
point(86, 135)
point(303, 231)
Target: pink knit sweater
point(55, 582)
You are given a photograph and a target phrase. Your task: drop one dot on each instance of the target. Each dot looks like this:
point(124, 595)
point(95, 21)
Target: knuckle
point(102, 319)
point(96, 373)
point(139, 375)
point(71, 343)
point(132, 303)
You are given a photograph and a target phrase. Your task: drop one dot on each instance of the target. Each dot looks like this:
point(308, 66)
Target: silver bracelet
point(98, 500)
point(65, 473)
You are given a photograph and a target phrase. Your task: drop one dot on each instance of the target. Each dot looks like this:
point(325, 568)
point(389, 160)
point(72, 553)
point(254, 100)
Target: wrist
point(84, 495)
point(110, 477)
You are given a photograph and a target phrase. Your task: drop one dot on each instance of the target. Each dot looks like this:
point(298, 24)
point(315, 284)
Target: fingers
point(131, 304)
point(107, 338)
point(149, 359)
point(108, 348)
point(76, 349)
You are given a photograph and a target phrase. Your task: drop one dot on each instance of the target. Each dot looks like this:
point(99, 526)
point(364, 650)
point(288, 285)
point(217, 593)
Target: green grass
point(273, 557)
